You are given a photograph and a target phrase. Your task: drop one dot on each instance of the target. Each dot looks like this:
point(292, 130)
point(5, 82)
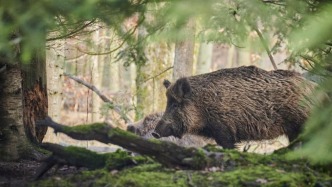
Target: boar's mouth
point(156, 135)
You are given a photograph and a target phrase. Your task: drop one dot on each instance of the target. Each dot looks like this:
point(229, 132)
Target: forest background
point(127, 48)
point(99, 55)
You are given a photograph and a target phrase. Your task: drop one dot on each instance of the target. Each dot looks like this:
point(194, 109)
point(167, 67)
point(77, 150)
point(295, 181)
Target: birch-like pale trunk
point(184, 54)
point(55, 57)
point(96, 77)
point(204, 58)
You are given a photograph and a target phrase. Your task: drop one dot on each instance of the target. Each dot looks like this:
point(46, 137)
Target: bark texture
point(55, 59)
point(204, 58)
point(35, 103)
point(11, 126)
point(184, 54)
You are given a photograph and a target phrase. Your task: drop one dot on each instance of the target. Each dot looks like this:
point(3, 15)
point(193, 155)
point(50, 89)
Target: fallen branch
point(116, 108)
point(82, 157)
point(166, 153)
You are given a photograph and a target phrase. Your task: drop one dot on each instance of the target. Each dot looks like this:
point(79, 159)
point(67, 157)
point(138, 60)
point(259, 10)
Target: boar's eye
point(172, 102)
point(175, 104)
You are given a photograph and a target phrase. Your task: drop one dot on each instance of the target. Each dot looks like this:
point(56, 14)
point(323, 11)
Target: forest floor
point(248, 169)
point(244, 169)
point(22, 173)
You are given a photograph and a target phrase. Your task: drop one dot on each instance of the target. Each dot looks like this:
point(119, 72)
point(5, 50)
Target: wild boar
point(148, 123)
point(237, 104)
point(146, 126)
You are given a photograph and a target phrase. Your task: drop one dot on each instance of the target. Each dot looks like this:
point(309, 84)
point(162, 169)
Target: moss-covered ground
point(241, 169)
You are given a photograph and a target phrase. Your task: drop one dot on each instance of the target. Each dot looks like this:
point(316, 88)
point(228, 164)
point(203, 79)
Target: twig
point(158, 74)
point(117, 108)
point(126, 36)
point(101, 53)
point(274, 2)
point(71, 33)
point(266, 48)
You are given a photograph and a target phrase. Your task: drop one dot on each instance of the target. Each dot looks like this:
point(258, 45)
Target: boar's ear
point(182, 88)
point(166, 83)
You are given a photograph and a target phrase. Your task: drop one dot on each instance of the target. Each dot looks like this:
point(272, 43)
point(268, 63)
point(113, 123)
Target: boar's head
point(132, 128)
point(180, 111)
point(144, 126)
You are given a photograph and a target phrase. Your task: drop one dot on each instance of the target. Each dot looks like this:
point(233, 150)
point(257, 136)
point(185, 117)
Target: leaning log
point(166, 153)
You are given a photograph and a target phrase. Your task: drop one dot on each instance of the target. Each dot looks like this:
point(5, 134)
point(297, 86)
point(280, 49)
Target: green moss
point(117, 131)
point(243, 169)
point(82, 155)
point(156, 141)
point(254, 176)
point(120, 159)
point(153, 174)
point(213, 148)
point(86, 127)
point(199, 158)
point(54, 181)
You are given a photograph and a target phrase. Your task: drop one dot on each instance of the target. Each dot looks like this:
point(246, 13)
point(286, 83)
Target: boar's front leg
point(225, 138)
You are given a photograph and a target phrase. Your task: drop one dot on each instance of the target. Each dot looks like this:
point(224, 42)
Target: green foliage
point(227, 21)
point(24, 24)
point(314, 42)
point(315, 32)
point(318, 146)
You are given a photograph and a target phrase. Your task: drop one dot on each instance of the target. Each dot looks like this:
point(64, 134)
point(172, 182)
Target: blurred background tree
point(26, 26)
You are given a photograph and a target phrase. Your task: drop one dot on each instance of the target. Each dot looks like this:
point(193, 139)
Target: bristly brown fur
point(237, 104)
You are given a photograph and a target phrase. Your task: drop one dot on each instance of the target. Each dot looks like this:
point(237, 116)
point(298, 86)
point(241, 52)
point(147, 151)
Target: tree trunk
point(11, 127)
point(95, 76)
point(141, 90)
point(23, 100)
point(35, 103)
point(184, 54)
point(204, 58)
point(55, 59)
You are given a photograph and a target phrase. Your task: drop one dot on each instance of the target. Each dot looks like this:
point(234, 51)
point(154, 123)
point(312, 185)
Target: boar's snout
point(156, 135)
point(133, 129)
point(163, 129)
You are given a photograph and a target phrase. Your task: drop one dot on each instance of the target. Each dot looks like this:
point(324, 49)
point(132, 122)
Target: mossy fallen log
point(81, 157)
point(166, 153)
point(209, 158)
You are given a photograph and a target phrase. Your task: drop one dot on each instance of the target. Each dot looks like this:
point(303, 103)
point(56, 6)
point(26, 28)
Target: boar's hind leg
point(293, 122)
point(293, 129)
